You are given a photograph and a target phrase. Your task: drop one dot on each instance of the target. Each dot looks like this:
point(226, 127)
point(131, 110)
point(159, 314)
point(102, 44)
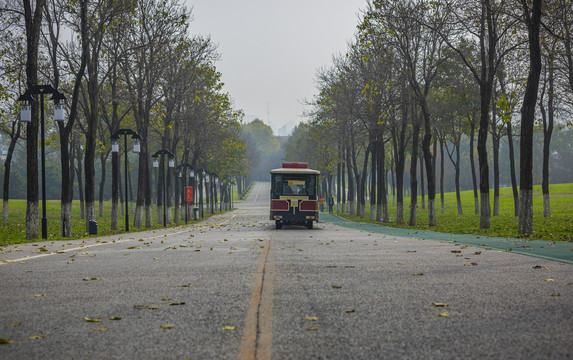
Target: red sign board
point(189, 193)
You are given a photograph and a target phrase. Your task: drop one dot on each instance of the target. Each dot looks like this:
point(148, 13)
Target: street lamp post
point(26, 116)
point(171, 157)
point(136, 149)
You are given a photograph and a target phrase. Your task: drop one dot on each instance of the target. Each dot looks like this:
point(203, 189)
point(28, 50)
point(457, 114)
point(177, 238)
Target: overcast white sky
point(270, 49)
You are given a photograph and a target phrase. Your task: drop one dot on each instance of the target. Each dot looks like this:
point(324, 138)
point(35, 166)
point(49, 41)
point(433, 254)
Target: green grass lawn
point(558, 227)
point(14, 231)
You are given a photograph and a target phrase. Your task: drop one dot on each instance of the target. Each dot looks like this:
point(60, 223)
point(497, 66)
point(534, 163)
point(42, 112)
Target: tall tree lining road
point(233, 286)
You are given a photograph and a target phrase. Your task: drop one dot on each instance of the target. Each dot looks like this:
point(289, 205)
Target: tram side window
point(311, 185)
point(277, 185)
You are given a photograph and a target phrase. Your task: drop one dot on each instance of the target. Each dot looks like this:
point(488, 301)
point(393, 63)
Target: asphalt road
point(234, 287)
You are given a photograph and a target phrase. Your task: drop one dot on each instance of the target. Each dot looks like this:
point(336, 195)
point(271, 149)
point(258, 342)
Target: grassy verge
point(14, 231)
point(559, 227)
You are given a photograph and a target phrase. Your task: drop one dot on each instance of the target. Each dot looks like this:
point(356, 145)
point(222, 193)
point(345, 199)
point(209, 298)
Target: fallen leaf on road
point(36, 337)
point(186, 285)
point(16, 324)
point(229, 327)
point(177, 303)
point(470, 264)
point(437, 304)
point(92, 319)
point(310, 318)
point(418, 274)
point(350, 311)
point(100, 329)
point(456, 251)
point(91, 279)
point(313, 328)
point(549, 280)
point(115, 318)
point(6, 341)
point(444, 314)
point(556, 294)
point(569, 283)
point(39, 295)
point(167, 326)
point(336, 287)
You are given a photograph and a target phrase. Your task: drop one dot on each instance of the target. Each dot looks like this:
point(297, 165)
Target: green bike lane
point(552, 250)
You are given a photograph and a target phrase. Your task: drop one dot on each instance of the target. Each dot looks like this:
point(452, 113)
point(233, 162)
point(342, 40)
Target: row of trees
point(423, 76)
point(122, 64)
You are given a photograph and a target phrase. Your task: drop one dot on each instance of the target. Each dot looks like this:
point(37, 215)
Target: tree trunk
point(422, 185)
point(375, 208)
point(547, 132)
point(442, 200)
point(351, 182)
point(413, 175)
point(533, 22)
point(512, 170)
point(79, 172)
point(495, 140)
point(473, 167)
point(33, 22)
point(382, 190)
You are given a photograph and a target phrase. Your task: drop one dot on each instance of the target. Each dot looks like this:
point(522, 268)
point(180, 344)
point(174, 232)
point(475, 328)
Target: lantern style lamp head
point(207, 177)
point(25, 107)
point(136, 143)
point(115, 144)
point(192, 173)
point(155, 162)
point(171, 162)
point(59, 112)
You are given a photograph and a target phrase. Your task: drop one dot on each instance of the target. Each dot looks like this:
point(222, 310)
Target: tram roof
point(295, 171)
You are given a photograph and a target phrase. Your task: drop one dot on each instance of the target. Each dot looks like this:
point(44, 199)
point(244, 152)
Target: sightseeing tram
point(294, 198)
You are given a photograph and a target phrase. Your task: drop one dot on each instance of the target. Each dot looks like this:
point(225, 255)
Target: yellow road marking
point(260, 311)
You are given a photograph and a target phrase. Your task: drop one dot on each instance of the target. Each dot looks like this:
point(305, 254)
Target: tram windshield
point(294, 185)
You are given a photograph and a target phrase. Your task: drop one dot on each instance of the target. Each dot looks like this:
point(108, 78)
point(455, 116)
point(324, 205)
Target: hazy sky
point(270, 49)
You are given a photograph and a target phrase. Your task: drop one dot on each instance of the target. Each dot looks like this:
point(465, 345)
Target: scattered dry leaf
point(549, 280)
point(16, 324)
point(229, 327)
point(36, 337)
point(310, 318)
point(100, 329)
point(336, 287)
point(92, 319)
point(167, 326)
point(350, 311)
point(115, 318)
point(185, 285)
point(313, 328)
point(91, 279)
point(438, 304)
point(444, 314)
point(177, 303)
point(6, 341)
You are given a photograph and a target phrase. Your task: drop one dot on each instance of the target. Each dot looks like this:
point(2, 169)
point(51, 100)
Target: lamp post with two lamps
point(115, 148)
point(26, 116)
point(171, 157)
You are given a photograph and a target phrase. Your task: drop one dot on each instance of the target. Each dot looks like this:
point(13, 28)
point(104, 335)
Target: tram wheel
point(309, 225)
point(278, 224)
